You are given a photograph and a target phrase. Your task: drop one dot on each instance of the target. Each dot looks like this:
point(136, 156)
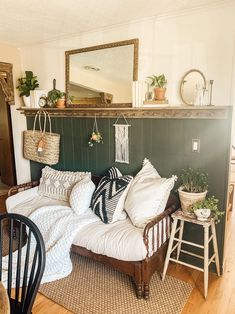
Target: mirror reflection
point(102, 74)
point(193, 88)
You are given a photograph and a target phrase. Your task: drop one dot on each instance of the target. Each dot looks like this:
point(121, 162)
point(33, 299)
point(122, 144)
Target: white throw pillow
point(147, 171)
point(80, 197)
point(147, 195)
point(58, 184)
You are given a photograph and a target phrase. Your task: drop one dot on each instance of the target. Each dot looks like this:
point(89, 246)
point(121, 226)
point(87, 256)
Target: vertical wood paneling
point(167, 143)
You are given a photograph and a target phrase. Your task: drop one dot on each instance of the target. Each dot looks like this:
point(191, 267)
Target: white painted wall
point(10, 54)
point(202, 39)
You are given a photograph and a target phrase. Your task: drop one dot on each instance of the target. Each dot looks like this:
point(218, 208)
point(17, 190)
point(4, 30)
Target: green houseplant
point(27, 84)
point(54, 95)
point(194, 184)
point(159, 84)
point(206, 208)
point(60, 101)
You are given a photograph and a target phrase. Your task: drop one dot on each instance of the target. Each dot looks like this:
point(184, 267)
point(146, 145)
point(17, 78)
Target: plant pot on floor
point(159, 93)
point(189, 198)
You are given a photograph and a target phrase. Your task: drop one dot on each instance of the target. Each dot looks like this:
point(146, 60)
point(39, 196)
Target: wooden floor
point(221, 293)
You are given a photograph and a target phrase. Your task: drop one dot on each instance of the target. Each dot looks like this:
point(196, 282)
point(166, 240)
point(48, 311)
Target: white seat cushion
point(120, 240)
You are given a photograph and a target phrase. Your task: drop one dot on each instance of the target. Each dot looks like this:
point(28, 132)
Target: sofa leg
point(146, 291)
point(139, 291)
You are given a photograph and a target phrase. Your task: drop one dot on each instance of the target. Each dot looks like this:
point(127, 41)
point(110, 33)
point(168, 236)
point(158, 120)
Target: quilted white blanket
point(58, 225)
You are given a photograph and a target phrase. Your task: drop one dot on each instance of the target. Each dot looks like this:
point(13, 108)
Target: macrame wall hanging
point(121, 141)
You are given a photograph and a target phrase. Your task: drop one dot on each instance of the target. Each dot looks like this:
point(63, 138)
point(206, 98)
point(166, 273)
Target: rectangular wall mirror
point(101, 76)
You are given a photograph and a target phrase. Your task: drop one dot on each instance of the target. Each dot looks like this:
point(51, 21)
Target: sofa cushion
point(147, 195)
point(105, 201)
point(121, 240)
point(58, 184)
point(81, 194)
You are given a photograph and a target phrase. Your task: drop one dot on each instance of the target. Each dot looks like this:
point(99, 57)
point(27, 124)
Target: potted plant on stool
point(193, 187)
point(159, 84)
point(207, 208)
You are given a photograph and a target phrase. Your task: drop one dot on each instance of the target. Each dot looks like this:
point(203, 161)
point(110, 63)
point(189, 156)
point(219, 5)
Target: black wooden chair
point(20, 242)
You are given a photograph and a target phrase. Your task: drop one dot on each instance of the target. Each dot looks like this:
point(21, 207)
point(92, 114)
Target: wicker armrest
point(171, 206)
point(22, 187)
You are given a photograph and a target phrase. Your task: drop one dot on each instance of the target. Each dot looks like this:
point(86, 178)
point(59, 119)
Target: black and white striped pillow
point(107, 195)
point(113, 172)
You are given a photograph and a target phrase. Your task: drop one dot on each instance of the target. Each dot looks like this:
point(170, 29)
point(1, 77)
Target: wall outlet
point(195, 145)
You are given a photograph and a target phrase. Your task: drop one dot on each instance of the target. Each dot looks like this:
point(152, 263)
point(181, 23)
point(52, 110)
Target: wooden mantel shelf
point(179, 112)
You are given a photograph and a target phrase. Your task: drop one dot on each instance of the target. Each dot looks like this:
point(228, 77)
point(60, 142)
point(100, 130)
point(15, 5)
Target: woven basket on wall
point(187, 199)
point(31, 139)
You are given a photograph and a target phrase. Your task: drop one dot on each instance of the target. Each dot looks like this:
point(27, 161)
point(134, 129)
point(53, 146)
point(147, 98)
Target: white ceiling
point(24, 22)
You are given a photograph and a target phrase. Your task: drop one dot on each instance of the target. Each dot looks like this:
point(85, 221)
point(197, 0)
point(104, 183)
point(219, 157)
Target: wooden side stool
point(182, 217)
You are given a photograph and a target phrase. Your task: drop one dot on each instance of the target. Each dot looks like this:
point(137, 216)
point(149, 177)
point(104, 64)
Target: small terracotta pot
point(60, 103)
point(159, 93)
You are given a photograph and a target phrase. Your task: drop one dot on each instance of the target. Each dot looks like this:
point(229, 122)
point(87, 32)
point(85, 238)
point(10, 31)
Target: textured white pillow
point(147, 171)
point(147, 195)
point(80, 197)
point(58, 184)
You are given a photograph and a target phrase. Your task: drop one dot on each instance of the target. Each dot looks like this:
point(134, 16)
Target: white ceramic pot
point(188, 198)
point(26, 101)
point(202, 213)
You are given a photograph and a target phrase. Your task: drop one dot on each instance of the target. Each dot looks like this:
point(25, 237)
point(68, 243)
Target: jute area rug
point(95, 288)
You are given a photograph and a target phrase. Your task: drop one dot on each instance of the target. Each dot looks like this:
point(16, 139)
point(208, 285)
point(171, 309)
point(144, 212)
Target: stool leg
point(206, 252)
point(168, 254)
point(180, 238)
point(215, 248)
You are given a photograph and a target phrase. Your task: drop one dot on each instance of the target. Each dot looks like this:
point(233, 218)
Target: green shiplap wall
point(167, 143)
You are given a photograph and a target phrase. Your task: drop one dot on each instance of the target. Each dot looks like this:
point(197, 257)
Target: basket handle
point(49, 120)
point(38, 116)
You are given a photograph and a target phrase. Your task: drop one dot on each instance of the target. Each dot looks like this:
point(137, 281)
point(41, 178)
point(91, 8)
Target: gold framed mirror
point(190, 83)
point(102, 76)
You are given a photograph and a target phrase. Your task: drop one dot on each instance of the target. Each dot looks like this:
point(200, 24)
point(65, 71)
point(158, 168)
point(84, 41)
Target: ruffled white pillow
point(81, 194)
point(148, 195)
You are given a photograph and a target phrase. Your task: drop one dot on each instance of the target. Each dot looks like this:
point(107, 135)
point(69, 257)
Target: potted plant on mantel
point(27, 84)
point(193, 189)
point(56, 98)
point(159, 84)
point(60, 102)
